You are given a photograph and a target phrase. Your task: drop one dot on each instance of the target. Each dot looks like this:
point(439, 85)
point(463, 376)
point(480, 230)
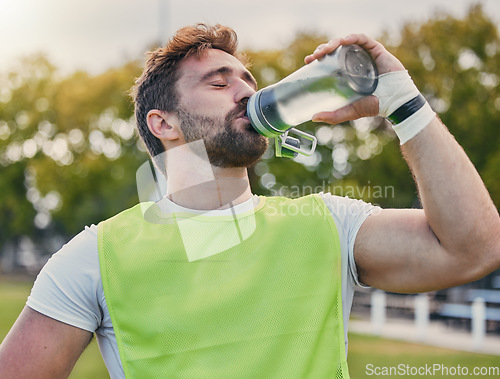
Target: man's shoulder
point(131, 214)
point(332, 201)
point(290, 199)
point(139, 208)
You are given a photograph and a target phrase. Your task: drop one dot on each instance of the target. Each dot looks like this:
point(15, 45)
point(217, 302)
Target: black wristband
point(407, 109)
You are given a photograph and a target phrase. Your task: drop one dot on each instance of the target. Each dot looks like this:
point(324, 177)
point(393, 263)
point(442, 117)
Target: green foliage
point(455, 63)
point(68, 149)
point(17, 214)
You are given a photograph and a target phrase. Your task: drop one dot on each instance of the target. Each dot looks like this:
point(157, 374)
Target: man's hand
point(368, 106)
point(385, 61)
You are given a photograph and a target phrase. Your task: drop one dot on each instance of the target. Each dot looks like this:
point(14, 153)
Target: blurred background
point(69, 150)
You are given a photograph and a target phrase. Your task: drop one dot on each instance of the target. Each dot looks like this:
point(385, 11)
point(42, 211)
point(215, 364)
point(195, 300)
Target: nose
point(243, 90)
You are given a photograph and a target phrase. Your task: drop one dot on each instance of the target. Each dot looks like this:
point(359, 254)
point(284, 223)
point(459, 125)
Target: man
point(275, 301)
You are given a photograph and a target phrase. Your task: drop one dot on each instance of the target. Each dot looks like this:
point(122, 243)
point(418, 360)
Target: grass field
point(368, 356)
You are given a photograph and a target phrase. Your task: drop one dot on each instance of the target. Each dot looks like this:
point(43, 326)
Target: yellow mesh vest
point(267, 306)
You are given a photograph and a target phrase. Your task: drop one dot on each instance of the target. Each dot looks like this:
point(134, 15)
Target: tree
point(21, 103)
point(68, 149)
point(455, 64)
point(97, 179)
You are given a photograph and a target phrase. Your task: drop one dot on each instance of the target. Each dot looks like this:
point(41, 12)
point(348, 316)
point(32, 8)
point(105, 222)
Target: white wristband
point(414, 124)
point(401, 102)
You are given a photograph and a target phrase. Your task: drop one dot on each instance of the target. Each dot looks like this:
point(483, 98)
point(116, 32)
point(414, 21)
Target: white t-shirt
point(69, 287)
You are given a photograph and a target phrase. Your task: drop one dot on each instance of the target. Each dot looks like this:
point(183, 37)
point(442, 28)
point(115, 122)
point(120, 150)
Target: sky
point(94, 35)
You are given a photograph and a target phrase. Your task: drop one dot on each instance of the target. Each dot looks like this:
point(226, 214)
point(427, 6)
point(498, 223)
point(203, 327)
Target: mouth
point(243, 119)
point(245, 124)
point(246, 119)
point(243, 115)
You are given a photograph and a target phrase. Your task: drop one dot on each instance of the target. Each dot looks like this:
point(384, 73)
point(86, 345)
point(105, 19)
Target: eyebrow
point(225, 70)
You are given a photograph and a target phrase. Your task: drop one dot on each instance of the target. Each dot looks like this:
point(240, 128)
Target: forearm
point(457, 205)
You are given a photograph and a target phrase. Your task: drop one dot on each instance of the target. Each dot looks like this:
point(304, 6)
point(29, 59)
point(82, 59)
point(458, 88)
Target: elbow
point(482, 240)
point(486, 254)
point(496, 252)
point(491, 241)
point(494, 246)
point(477, 257)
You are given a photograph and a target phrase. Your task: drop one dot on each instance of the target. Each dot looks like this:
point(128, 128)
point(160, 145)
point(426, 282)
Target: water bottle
point(338, 79)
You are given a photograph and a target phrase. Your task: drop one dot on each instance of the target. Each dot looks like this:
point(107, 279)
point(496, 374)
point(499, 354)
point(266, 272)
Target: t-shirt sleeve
point(349, 215)
point(68, 287)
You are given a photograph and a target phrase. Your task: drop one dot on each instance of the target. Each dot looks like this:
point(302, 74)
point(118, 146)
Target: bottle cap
point(361, 70)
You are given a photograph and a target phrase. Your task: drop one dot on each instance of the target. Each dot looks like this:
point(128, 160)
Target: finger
point(365, 107)
point(371, 45)
point(361, 40)
point(385, 61)
point(336, 117)
point(322, 50)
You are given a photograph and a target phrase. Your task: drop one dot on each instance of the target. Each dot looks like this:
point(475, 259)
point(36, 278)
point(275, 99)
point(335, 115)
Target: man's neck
point(218, 193)
point(192, 182)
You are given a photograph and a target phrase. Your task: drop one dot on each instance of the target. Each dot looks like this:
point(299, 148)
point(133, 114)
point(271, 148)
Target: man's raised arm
point(455, 239)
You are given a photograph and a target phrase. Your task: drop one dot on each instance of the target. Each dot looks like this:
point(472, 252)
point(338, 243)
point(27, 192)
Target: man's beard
point(227, 147)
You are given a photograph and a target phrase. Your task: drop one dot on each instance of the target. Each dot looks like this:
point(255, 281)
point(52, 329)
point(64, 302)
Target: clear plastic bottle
point(340, 78)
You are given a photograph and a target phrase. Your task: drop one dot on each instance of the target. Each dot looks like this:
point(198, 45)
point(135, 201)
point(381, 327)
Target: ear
point(163, 125)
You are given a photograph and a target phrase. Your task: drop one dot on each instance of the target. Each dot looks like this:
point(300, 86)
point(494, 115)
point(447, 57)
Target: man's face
point(213, 93)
